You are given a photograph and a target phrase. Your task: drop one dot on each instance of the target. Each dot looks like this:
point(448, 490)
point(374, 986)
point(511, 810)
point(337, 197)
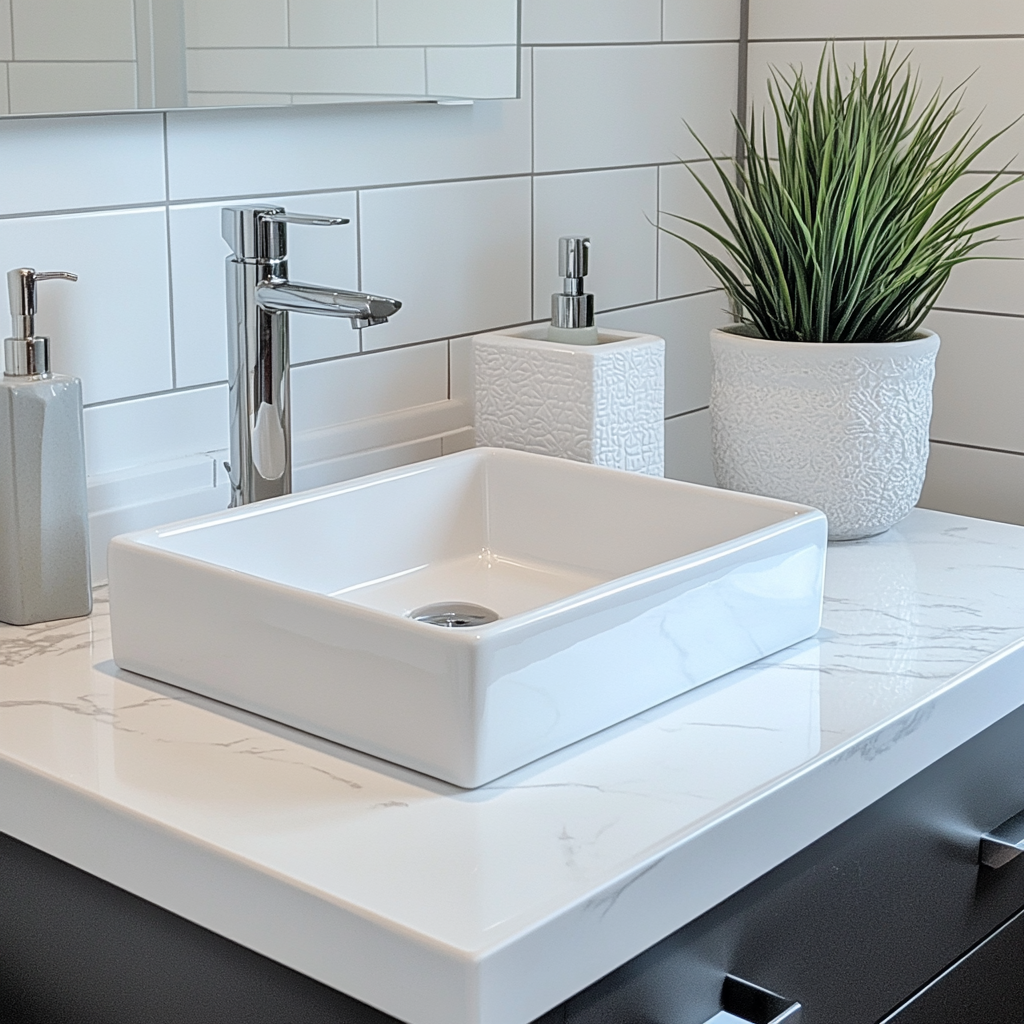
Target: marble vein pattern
point(469, 872)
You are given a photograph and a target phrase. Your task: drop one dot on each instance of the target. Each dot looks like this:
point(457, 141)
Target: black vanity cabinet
point(889, 917)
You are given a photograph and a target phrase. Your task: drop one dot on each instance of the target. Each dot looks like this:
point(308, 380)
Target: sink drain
point(454, 615)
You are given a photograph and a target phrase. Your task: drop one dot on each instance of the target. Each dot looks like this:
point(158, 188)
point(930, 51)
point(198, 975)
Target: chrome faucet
point(260, 297)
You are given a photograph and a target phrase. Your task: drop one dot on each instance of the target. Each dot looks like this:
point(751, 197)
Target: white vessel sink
point(613, 591)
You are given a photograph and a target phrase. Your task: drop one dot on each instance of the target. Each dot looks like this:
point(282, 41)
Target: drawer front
point(76, 950)
point(984, 987)
point(858, 921)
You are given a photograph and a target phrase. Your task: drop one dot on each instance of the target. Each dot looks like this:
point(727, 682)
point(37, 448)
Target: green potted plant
point(841, 226)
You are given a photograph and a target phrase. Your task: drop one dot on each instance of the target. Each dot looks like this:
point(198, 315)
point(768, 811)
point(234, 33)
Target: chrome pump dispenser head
point(573, 308)
point(26, 355)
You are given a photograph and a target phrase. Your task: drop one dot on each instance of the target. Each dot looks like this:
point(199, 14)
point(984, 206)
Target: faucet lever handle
point(311, 219)
point(55, 275)
point(259, 232)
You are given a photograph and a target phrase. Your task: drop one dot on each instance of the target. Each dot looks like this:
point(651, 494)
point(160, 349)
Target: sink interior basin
point(609, 592)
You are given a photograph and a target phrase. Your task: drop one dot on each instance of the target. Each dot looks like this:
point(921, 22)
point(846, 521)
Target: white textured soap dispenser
point(570, 390)
point(44, 523)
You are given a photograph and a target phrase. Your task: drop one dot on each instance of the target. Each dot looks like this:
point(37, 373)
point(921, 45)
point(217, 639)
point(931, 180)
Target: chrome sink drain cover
point(454, 615)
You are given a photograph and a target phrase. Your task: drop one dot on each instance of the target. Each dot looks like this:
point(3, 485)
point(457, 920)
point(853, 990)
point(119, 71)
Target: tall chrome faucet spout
point(260, 297)
point(294, 297)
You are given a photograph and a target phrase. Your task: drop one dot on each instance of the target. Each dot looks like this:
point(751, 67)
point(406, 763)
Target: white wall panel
point(374, 69)
point(54, 30)
point(992, 285)
point(617, 210)
point(483, 71)
point(457, 255)
point(812, 19)
point(372, 385)
point(111, 328)
point(680, 270)
point(332, 22)
point(88, 86)
point(450, 225)
point(701, 19)
point(210, 153)
point(155, 429)
point(348, 467)
point(594, 21)
point(979, 380)
point(220, 23)
point(975, 482)
point(64, 163)
point(455, 22)
point(688, 449)
point(6, 41)
point(609, 106)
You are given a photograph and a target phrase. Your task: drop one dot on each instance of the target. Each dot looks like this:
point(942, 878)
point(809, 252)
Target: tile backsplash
point(453, 209)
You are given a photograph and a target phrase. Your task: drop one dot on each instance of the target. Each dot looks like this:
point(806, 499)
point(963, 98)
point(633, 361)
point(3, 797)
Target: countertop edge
point(583, 943)
point(567, 951)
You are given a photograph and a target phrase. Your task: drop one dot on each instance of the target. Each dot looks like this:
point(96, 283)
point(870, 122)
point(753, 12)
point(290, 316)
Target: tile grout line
point(184, 389)
point(633, 44)
point(157, 204)
point(977, 312)
point(657, 231)
point(883, 39)
point(533, 184)
point(743, 77)
point(359, 252)
point(976, 447)
point(170, 257)
point(689, 412)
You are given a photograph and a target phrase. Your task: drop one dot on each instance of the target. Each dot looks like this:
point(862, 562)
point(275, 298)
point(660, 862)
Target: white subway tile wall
point(332, 22)
point(74, 163)
point(615, 106)
point(239, 47)
point(42, 86)
point(977, 461)
point(67, 56)
point(56, 55)
point(453, 209)
point(55, 30)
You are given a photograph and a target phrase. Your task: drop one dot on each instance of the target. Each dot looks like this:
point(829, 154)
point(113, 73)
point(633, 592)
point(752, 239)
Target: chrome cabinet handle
point(1003, 844)
point(744, 1001)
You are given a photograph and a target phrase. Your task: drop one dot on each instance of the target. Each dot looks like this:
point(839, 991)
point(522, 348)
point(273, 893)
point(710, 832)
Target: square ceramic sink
point(610, 593)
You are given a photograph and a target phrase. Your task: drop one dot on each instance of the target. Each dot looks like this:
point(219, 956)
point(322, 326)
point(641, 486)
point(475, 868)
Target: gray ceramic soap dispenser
point(44, 523)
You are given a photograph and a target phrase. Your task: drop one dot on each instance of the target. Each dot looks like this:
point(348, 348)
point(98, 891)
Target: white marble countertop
point(442, 906)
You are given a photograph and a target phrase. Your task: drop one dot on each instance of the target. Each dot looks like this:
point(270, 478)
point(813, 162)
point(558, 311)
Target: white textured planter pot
point(603, 404)
point(841, 427)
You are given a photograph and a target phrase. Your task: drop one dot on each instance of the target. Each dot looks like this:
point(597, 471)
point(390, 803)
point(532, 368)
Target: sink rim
point(634, 581)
